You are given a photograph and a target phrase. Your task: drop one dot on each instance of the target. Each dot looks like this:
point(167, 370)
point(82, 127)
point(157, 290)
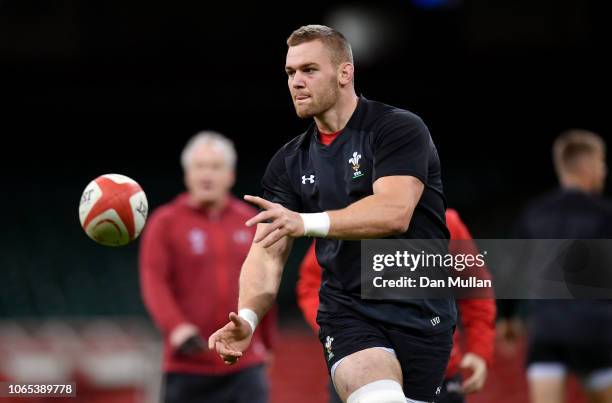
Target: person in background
point(191, 253)
point(570, 335)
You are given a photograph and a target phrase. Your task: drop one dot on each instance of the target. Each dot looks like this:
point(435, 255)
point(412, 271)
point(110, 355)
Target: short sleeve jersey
point(307, 176)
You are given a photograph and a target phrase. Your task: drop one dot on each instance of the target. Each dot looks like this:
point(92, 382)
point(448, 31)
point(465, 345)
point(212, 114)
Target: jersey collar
point(354, 121)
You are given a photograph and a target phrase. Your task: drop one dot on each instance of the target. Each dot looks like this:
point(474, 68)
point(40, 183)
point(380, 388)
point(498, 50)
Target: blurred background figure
point(571, 335)
point(476, 321)
point(190, 259)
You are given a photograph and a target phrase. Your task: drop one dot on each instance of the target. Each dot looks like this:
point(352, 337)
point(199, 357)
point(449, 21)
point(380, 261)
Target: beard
point(320, 103)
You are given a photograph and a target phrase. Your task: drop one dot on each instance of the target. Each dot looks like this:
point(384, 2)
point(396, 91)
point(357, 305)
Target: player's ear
point(346, 73)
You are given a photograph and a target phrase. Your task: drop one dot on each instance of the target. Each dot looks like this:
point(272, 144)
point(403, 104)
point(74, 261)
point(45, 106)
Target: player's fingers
point(212, 340)
point(226, 352)
point(267, 230)
point(275, 237)
point(218, 346)
point(235, 319)
point(261, 217)
point(261, 202)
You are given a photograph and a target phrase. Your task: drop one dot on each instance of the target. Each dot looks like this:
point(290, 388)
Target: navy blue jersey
point(307, 176)
point(569, 214)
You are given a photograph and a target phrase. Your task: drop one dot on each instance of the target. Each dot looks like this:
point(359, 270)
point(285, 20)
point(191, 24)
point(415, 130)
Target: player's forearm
point(374, 216)
point(261, 275)
point(259, 283)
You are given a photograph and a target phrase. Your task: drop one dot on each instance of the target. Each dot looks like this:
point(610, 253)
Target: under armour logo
point(310, 179)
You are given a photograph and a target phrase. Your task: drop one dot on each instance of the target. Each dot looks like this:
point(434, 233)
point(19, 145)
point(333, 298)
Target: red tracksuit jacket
point(477, 315)
point(190, 262)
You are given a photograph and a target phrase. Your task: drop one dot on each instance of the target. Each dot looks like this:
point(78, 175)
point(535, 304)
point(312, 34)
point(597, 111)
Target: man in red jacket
point(190, 258)
point(477, 321)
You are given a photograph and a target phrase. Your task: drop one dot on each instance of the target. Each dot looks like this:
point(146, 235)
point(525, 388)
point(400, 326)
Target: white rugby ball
point(113, 210)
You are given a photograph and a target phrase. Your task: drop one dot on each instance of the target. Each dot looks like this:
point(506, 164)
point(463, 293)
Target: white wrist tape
point(316, 224)
point(250, 316)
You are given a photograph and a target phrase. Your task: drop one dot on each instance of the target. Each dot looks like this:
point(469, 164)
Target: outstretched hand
point(232, 339)
point(281, 222)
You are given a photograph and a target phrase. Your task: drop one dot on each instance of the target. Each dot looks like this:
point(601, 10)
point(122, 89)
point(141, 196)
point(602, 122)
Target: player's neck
point(335, 119)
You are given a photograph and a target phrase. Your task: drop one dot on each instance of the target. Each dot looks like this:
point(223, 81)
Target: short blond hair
point(337, 44)
point(572, 145)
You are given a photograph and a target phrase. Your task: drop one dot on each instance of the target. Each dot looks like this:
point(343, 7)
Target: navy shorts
point(422, 357)
point(580, 358)
point(574, 333)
